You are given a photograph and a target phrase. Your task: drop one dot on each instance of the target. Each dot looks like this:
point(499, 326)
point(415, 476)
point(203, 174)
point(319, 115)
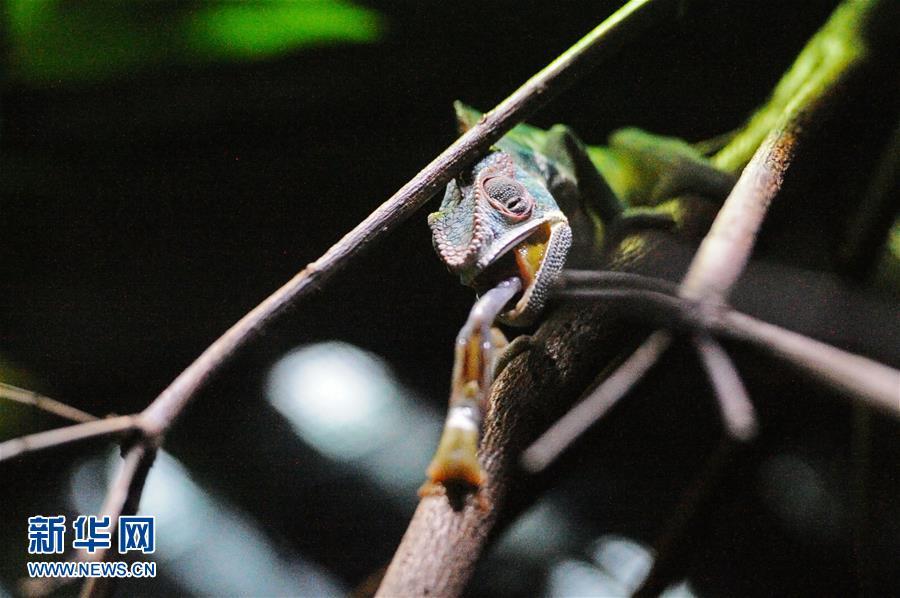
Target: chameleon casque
point(514, 217)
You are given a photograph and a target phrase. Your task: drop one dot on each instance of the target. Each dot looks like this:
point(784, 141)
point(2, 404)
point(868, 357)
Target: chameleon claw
point(429, 488)
point(455, 472)
point(457, 495)
point(456, 461)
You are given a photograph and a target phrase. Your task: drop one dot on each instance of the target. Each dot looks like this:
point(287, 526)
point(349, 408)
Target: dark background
point(145, 211)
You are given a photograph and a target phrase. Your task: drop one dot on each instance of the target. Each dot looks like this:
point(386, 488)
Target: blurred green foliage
point(887, 270)
point(14, 418)
point(57, 41)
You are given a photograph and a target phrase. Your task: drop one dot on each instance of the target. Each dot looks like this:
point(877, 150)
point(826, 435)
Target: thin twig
point(561, 434)
point(573, 279)
point(61, 436)
point(876, 384)
point(870, 381)
point(736, 408)
point(122, 498)
point(44, 403)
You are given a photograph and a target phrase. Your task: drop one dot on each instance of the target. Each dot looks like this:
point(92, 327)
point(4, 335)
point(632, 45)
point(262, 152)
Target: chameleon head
point(498, 220)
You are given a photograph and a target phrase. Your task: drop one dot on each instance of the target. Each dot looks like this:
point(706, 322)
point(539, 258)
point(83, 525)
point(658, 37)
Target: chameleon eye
point(509, 197)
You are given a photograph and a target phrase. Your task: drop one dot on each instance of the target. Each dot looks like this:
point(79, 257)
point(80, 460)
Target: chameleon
point(508, 224)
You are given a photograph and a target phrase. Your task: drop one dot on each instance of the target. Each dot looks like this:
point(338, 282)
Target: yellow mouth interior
point(523, 260)
point(530, 254)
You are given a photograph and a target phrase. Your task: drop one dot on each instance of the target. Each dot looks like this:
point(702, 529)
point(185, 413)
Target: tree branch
point(441, 546)
point(122, 498)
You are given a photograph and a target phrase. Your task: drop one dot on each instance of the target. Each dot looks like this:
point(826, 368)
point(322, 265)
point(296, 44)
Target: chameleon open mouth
point(536, 261)
point(522, 259)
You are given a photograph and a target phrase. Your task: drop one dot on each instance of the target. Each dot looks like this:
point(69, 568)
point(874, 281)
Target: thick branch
point(441, 546)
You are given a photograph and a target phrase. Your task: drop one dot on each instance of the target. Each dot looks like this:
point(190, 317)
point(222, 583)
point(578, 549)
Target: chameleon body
point(508, 221)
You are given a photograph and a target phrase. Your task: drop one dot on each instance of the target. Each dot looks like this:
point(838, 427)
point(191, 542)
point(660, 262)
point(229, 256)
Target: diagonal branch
point(535, 93)
point(525, 101)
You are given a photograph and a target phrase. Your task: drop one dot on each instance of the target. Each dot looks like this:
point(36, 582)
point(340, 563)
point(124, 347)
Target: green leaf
point(56, 41)
point(254, 31)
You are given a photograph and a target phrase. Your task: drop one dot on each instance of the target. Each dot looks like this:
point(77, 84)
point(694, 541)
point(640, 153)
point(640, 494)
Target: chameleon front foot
point(454, 471)
point(456, 462)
